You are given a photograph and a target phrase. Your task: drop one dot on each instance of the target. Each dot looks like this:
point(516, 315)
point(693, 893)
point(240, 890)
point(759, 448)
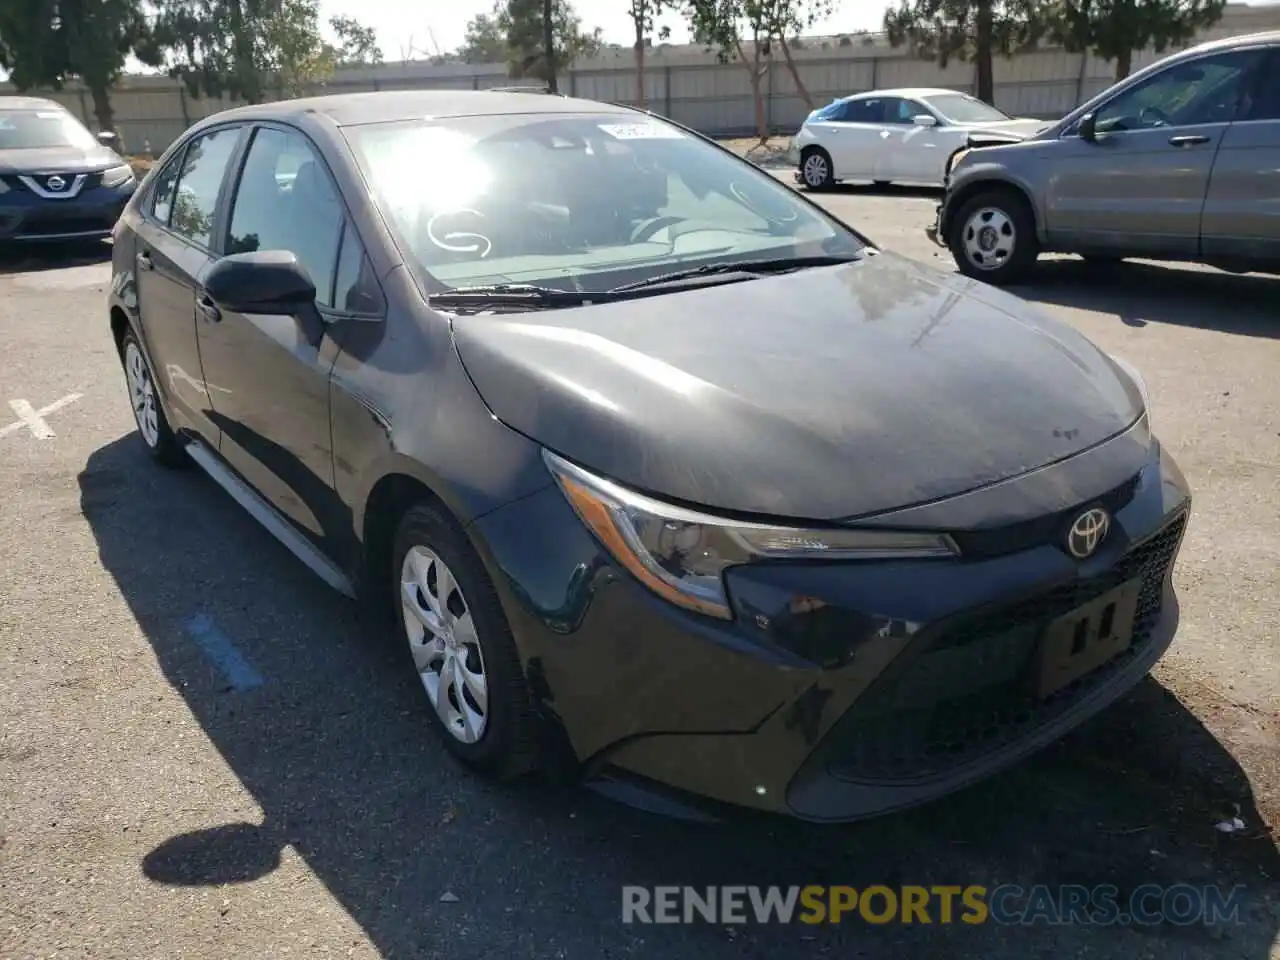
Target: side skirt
point(270, 518)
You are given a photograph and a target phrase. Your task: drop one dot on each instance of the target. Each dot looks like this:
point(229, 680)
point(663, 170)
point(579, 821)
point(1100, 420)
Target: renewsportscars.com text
point(1105, 904)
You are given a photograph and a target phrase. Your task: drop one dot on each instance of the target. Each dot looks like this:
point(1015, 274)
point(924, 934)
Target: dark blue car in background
point(57, 180)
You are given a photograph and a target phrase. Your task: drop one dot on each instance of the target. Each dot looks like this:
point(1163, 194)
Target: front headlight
point(116, 176)
point(681, 554)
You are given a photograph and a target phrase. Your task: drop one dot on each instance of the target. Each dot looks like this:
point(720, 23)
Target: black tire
point(823, 159)
point(164, 447)
point(507, 748)
point(881, 184)
point(1026, 246)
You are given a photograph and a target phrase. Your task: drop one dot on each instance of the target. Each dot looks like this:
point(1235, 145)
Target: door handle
point(145, 262)
point(1188, 140)
point(208, 308)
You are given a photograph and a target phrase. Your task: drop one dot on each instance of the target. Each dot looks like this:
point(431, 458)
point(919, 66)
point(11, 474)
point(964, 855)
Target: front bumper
point(841, 691)
point(26, 217)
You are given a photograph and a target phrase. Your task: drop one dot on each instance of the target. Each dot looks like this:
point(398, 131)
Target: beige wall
point(688, 84)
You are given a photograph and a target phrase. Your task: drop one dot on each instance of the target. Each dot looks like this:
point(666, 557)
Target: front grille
point(962, 693)
point(1052, 528)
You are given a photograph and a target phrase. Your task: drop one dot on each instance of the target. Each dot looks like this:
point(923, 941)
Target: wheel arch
point(971, 188)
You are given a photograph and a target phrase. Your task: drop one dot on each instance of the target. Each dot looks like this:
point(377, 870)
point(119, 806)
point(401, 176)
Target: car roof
point(30, 103)
point(912, 92)
point(349, 109)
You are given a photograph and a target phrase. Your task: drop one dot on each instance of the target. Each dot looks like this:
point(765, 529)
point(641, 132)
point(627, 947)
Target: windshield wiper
point(512, 295)
point(749, 268)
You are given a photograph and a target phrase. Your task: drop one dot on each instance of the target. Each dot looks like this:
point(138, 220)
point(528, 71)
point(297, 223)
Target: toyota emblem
point(55, 182)
point(1088, 531)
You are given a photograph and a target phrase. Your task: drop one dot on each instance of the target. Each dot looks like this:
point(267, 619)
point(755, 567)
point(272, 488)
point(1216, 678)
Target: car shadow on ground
point(333, 744)
point(38, 257)
point(890, 191)
point(1142, 292)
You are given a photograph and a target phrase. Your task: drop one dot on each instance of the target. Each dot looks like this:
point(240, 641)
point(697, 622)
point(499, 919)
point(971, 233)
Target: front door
point(1242, 210)
point(174, 240)
point(1139, 188)
point(268, 376)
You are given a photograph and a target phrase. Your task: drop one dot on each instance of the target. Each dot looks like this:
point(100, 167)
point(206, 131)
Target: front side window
point(962, 108)
point(195, 200)
point(286, 201)
point(899, 111)
point(1208, 90)
point(42, 130)
point(580, 202)
point(1263, 101)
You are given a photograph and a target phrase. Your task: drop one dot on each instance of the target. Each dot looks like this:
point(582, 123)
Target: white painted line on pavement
point(33, 419)
point(217, 646)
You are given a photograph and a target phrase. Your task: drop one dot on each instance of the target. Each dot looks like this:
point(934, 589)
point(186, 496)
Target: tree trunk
point(795, 74)
point(549, 42)
point(641, 98)
point(1124, 63)
point(102, 107)
point(755, 74)
point(984, 44)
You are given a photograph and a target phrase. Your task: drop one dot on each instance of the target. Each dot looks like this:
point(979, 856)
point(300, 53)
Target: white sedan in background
point(896, 136)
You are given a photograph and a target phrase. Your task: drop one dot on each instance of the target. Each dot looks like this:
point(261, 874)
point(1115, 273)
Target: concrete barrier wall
point(687, 83)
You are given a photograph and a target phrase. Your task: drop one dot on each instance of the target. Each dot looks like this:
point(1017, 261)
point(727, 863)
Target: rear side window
point(195, 200)
point(864, 111)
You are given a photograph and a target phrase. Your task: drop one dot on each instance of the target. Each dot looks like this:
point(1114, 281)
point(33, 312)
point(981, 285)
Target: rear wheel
point(994, 238)
point(461, 647)
point(161, 443)
point(815, 168)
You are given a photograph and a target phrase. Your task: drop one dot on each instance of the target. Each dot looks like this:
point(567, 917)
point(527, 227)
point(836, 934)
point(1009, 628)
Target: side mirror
point(107, 138)
point(924, 120)
point(264, 281)
point(1089, 128)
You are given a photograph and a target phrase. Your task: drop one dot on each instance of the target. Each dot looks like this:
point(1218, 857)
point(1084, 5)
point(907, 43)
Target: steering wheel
point(649, 228)
point(1148, 114)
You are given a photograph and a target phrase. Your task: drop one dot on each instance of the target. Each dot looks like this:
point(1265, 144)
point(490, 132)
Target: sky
point(424, 26)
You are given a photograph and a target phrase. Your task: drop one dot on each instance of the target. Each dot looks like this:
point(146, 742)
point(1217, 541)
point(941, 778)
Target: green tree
point(45, 43)
point(486, 38)
point(730, 27)
point(241, 47)
point(968, 30)
point(792, 18)
point(512, 33)
point(1113, 29)
point(357, 44)
point(643, 13)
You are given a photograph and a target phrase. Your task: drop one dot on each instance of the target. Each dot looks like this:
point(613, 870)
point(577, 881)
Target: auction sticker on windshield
point(641, 131)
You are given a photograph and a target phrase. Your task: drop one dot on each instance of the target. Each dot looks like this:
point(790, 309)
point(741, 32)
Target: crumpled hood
point(825, 394)
point(1024, 127)
point(58, 160)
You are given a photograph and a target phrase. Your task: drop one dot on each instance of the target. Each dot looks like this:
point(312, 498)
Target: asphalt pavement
point(205, 753)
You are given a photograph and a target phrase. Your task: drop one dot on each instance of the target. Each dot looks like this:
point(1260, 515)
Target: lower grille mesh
point(962, 694)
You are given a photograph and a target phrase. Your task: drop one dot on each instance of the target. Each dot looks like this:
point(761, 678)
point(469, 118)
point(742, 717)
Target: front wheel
point(994, 238)
point(461, 646)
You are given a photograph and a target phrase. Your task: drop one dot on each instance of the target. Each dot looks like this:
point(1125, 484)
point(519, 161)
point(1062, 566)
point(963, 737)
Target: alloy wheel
point(446, 650)
point(815, 170)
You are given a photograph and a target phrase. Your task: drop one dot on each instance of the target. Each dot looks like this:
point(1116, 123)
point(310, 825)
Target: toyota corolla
point(670, 478)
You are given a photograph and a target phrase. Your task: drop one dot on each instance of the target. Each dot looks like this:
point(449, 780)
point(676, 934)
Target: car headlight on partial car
point(117, 176)
point(681, 554)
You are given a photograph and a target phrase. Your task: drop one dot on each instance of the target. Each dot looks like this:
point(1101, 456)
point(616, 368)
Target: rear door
point(1242, 208)
point(854, 135)
point(1140, 187)
point(174, 246)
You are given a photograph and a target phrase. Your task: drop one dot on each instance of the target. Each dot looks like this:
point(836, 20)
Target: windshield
point(33, 129)
point(960, 108)
point(578, 202)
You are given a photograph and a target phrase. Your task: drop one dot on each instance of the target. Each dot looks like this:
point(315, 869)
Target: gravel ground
point(151, 809)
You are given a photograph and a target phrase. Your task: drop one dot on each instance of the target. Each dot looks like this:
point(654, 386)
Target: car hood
point(830, 393)
point(58, 160)
point(1023, 128)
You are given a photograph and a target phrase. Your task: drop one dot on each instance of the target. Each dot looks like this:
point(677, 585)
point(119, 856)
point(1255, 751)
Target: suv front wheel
point(993, 237)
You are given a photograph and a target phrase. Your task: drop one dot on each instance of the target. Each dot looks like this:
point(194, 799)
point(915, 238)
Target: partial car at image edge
point(670, 480)
point(58, 182)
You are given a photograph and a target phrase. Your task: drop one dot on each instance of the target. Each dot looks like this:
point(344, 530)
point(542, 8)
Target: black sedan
point(671, 479)
point(57, 180)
